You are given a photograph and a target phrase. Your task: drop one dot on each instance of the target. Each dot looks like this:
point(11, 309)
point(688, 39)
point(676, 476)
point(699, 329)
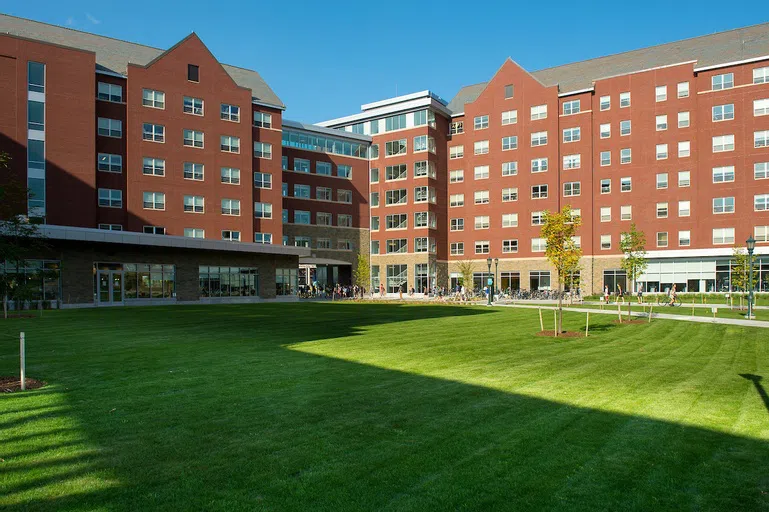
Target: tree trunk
point(560, 308)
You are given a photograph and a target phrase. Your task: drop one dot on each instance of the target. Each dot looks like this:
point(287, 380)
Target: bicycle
point(665, 301)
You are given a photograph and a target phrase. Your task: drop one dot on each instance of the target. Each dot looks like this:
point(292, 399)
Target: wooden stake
point(651, 306)
point(619, 312)
point(22, 361)
point(587, 324)
point(541, 322)
point(555, 322)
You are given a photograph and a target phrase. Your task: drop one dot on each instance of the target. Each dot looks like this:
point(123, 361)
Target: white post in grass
point(541, 322)
point(587, 324)
point(22, 362)
point(650, 312)
point(555, 322)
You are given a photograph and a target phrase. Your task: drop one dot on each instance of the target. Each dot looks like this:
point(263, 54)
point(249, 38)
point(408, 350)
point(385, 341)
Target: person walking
point(400, 292)
point(620, 298)
point(606, 294)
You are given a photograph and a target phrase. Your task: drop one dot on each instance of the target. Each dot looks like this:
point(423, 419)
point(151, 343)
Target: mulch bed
point(13, 384)
point(634, 321)
point(565, 334)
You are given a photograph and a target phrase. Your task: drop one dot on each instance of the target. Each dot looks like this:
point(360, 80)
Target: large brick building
point(160, 174)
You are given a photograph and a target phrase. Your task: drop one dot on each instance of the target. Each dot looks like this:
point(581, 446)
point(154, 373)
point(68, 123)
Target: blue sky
point(325, 59)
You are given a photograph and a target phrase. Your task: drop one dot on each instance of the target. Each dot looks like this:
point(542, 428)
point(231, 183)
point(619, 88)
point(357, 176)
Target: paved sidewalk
point(663, 316)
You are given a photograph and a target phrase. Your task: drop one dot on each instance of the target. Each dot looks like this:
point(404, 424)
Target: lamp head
point(751, 242)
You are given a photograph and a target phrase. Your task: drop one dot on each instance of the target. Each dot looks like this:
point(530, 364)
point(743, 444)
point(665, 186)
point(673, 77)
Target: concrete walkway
point(663, 316)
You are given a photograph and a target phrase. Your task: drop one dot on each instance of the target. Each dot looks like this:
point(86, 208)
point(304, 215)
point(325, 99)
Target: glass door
point(116, 285)
point(103, 283)
point(110, 284)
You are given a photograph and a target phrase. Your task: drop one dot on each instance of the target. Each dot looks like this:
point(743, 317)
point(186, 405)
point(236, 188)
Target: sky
point(326, 59)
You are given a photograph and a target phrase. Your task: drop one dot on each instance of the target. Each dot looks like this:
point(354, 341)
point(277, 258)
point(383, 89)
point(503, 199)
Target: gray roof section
point(114, 54)
point(719, 48)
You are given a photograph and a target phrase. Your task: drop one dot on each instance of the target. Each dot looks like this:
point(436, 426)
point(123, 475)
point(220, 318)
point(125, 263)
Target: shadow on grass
point(240, 422)
point(756, 380)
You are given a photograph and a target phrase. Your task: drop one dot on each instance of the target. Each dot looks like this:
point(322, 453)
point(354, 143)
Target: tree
point(633, 245)
point(559, 231)
point(362, 273)
point(466, 268)
point(740, 267)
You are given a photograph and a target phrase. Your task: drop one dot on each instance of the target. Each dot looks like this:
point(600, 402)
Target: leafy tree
point(362, 273)
point(562, 250)
point(633, 245)
point(741, 279)
point(466, 268)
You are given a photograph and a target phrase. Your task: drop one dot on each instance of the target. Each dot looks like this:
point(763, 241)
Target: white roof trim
point(733, 63)
point(388, 110)
point(700, 253)
point(645, 70)
point(579, 91)
point(400, 99)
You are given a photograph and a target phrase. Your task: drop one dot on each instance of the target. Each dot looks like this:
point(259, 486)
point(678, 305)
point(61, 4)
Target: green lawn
point(317, 406)
point(723, 311)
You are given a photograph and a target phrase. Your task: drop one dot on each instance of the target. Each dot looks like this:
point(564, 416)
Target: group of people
point(338, 291)
point(672, 293)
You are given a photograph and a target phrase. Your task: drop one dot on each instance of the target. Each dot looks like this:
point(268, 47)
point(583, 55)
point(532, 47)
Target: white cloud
point(92, 19)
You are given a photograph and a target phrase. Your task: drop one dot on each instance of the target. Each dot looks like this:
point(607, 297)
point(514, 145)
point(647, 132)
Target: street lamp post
point(751, 242)
point(496, 273)
point(489, 281)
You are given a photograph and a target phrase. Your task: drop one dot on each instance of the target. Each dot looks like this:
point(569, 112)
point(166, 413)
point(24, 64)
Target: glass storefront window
point(285, 280)
point(228, 281)
point(42, 277)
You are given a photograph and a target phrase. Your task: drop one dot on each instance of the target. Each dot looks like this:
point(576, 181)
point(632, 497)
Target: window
point(420, 143)
point(301, 217)
point(509, 117)
point(154, 230)
point(193, 171)
point(761, 202)
point(344, 196)
point(481, 172)
point(230, 113)
point(231, 176)
point(35, 115)
point(456, 200)
point(538, 245)
point(194, 204)
point(456, 127)
point(684, 238)
point(761, 107)
point(684, 149)
point(230, 144)
point(111, 127)
point(723, 205)
point(456, 176)
point(399, 196)
point(359, 128)
point(284, 162)
point(110, 198)
point(683, 89)
point(456, 152)
point(194, 233)
point(509, 168)
point(683, 119)
point(482, 247)
point(662, 151)
point(626, 212)
point(624, 127)
point(324, 169)
point(109, 92)
point(263, 150)
point(538, 139)
point(396, 172)
point(423, 244)
point(605, 102)
point(509, 246)
point(396, 245)
point(606, 214)
point(509, 143)
point(761, 170)
point(153, 99)
point(192, 106)
point(572, 161)
point(662, 123)
point(481, 147)
point(457, 224)
point(537, 218)
point(625, 156)
point(509, 194)
point(482, 222)
point(539, 192)
point(538, 112)
point(571, 107)
point(193, 138)
point(231, 236)
point(605, 130)
point(110, 163)
point(725, 81)
point(662, 238)
point(424, 220)
point(301, 165)
point(723, 174)
point(374, 199)
point(571, 134)
point(684, 208)
point(373, 173)
point(154, 201)
point(262, 120)
point(325, 219)
point(761, 75)
point(509, 220)
point(344, 220)
point(344, 171)
point(723, 112)
point(662, 180)
point(396, 147)
point(193, 73)
point(374, 152)
point(374, 127)
point(605, 158)
point(395, 122)
point(723, 235)
point(230, 207)
point(662, 210)
point(624, 99)
point(509, 89)
point(684, 178)
point(761, 139)
point(661, 93)
point(605, 242)
point(263, 210)
point(481, 197)
point(481, 122)
point(323, 193)
point(35, 77)
point(457, 248)
point(302, 191)
point(761, 233)
point(625, 184)
point(571, 188)
point(285, 221)
point(284, 189)
point(723, 143)
point(606, 186)
point(424, 169)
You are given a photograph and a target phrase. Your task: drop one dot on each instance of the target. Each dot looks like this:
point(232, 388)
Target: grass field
point(317, 406)
point(722, 310)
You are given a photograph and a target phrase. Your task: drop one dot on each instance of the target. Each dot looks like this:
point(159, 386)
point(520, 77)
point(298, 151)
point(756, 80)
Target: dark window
point(508, 91)
point(193, 73)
